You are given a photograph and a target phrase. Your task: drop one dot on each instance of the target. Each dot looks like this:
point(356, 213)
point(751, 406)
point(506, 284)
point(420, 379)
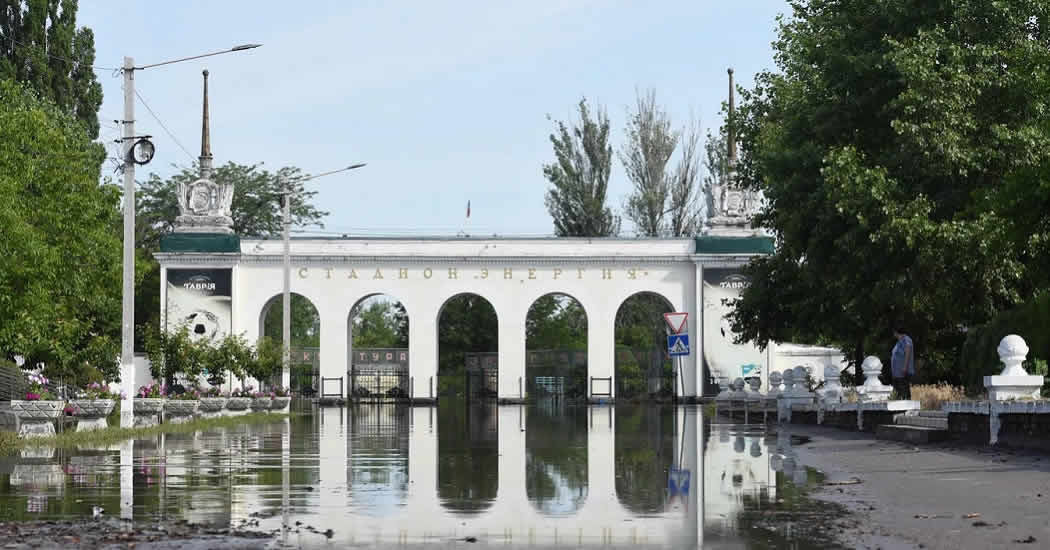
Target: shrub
point(933, 396)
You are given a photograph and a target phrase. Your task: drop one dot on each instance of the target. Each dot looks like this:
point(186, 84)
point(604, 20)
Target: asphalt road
point(943, 495)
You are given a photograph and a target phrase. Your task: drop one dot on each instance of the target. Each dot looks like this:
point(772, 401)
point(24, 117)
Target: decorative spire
point(205, 159)
point(730, 130)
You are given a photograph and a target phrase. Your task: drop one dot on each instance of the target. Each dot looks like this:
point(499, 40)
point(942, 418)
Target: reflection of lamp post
point(137, 150)
point(286, 298)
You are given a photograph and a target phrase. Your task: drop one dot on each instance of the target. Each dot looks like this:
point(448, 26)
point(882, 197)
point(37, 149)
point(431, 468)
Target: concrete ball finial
point(1012, 352)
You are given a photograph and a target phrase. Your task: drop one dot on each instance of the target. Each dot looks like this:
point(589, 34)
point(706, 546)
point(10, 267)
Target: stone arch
point(382, 372)
point(560, 353)
point(475, 349)
point(642, 368)
point(304, 359)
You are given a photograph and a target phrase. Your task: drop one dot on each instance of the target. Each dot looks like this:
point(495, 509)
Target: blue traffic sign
point(678, 344)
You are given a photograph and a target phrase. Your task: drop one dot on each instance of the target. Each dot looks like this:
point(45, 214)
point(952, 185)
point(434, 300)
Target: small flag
point(468, 209)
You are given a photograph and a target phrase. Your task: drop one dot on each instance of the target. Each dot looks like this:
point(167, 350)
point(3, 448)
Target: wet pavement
point(545, 475)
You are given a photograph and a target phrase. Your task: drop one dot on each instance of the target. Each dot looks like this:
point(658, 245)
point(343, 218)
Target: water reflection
point(556, 457)
point(644, 454)
point(468, 456)
point(549, 474)
point(378, 457)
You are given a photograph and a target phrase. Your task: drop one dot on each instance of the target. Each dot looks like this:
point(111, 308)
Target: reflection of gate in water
point(379, 374)
point(561, 373)
point(378, 469)
point(482, 375)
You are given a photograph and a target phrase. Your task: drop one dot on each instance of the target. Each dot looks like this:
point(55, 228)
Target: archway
point(377, 329)
point(305, 339)
point(556, 348)
point(468, 348)
point(643, 370)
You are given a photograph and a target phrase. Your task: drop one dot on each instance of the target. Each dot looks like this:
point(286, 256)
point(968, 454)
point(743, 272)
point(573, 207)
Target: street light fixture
point(137, 150)
point(286, 298)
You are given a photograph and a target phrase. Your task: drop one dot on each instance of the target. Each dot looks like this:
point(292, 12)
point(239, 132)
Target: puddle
point(547, 475)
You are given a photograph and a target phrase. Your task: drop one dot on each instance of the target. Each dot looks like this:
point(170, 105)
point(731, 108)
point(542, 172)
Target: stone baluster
point(873, 389)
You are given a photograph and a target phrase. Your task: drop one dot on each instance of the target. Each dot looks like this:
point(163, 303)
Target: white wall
point(423, 274)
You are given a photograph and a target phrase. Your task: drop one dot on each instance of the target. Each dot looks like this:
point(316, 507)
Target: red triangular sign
point(677, 321)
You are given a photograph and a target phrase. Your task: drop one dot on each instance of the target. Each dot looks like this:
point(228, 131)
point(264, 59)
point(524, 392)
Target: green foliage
point(579, 177)
point(41, 46)
point(894, 148)
point(380, 324)
point(663, 201)
point(266, 361)
point(231, 355)
point(979, 357)
point(61, 270)
point(467, 323)
point(174, 354)
point(305, 322)
point(556, 321)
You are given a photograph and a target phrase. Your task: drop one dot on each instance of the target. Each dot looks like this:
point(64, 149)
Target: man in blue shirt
point(902, 364)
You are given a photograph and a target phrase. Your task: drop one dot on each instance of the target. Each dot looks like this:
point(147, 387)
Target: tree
point(887, 148)
point(256, 211)
point(684, 195)
point(650, 144)
point(61, 269)
point(41, 46)
point(305, 322)
point(580, 177)
point(377, 325)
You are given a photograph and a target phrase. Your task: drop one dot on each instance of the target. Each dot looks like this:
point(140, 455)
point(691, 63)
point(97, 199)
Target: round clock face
point(142, 152)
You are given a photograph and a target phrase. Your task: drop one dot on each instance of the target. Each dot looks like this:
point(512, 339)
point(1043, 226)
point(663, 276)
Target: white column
point(423, 349)
point(601, 348)
point(334, 349)
point(601, 463)
point(511, 350)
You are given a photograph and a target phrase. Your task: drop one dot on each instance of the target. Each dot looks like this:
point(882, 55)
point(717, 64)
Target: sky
point(446, 102)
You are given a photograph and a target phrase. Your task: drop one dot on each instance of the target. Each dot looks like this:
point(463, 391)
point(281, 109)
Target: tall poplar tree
point(579, 176)
point(41, 46)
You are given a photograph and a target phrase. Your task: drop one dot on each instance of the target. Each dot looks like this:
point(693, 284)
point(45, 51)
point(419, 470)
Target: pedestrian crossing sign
point(677, 344)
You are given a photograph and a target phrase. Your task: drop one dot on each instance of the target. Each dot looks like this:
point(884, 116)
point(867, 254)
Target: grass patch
point(11, 443)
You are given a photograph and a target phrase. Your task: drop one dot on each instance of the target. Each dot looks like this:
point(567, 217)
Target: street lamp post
point(286, 298)
point(130, 141)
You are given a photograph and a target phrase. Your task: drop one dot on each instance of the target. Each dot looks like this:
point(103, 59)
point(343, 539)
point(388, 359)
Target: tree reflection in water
point(556, 457)
point(468, 455)
point(644, 454)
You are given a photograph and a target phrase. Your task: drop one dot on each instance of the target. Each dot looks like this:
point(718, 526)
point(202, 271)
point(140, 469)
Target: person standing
point(902, 363)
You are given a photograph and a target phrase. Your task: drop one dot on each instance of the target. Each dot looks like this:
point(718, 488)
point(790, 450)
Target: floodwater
point(544, 475)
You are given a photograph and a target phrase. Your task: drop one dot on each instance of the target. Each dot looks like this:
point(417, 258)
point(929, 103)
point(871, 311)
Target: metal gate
point(482, 372)
point(556, 373)
point(305, 366)
point(379, 374)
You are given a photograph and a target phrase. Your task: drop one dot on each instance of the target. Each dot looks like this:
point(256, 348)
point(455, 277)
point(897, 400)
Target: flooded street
point(547, 474)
